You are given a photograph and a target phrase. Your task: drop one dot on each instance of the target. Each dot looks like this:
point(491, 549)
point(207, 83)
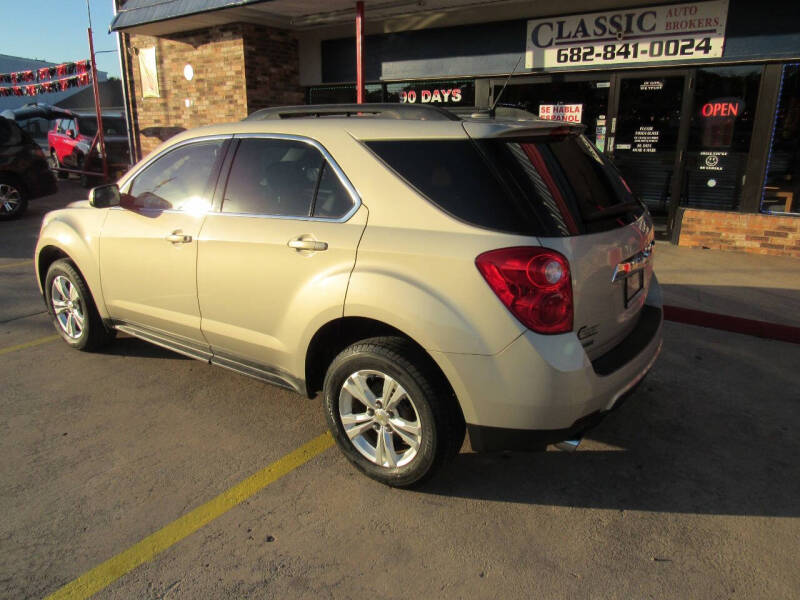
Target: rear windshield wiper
point(612, 211)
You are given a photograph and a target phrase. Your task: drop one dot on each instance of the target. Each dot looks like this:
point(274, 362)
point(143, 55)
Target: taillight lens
point(534, 284)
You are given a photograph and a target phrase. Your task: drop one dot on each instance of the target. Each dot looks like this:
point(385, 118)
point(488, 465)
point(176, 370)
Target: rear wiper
point(612, 211)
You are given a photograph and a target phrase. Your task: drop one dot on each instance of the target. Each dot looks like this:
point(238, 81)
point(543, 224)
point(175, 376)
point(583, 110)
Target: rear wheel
point(72, 307)
point(391, 412)
point(12, 199)
point(54, 164)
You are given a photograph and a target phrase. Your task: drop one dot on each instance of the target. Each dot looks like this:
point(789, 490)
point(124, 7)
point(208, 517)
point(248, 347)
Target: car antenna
point(496, 100)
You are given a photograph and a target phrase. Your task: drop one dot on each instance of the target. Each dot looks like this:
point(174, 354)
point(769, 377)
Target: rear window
point(549, 187)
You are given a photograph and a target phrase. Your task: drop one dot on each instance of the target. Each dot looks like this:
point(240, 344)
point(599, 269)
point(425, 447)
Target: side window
point(179, 180)
point(332, 199)
point(272, 177)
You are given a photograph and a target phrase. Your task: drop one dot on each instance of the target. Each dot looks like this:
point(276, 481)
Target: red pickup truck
point(71, 138)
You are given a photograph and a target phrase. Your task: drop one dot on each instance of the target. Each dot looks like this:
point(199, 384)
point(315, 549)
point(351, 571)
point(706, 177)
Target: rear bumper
point(489, 439)
point(544, 389)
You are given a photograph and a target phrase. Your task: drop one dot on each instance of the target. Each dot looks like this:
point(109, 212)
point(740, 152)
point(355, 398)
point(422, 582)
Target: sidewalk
point(748, 286)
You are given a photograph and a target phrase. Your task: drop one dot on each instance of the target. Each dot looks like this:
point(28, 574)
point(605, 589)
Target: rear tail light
point(534, 284)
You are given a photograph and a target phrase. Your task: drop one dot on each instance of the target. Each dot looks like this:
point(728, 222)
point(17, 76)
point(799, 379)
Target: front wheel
point(72, 308)
point(391, 412)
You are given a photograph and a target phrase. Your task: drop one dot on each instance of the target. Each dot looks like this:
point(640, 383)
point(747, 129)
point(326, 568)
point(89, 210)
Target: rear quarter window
point(454, 176)
point(545, 186)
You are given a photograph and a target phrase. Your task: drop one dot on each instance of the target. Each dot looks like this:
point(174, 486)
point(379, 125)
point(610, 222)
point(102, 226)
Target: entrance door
point(648, 134)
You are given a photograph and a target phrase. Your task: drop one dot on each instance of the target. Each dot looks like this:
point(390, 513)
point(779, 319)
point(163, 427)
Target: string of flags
point(47, 79)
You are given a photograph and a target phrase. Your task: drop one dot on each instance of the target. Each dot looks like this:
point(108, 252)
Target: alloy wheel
point(379, 418)
point(68, 307)
point(10, 199)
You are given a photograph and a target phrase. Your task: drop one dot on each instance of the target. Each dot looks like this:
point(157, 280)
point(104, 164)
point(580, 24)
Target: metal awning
point(162, 17)
point(136, 13)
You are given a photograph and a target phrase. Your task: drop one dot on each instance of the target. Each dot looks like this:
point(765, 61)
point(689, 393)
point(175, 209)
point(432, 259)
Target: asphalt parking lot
point(692, 489)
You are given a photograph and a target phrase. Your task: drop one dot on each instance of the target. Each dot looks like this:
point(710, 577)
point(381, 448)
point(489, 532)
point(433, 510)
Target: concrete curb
point(764, 329)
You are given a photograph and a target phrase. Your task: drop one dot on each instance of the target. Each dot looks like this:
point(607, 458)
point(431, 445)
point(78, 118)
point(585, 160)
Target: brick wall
point(215, 94)
point(740, 232)
point(272, 68)
point(238, 68)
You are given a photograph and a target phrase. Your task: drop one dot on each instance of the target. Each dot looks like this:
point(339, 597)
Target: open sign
point(722, 108)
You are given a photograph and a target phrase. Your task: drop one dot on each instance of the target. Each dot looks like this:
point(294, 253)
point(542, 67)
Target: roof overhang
point(165, 17)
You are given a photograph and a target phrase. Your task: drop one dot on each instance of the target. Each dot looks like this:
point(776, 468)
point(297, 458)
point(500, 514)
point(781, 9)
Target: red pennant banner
point(56, 85)
point(45, 73)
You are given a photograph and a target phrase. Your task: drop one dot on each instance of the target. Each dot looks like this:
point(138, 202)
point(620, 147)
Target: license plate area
point(634, 284)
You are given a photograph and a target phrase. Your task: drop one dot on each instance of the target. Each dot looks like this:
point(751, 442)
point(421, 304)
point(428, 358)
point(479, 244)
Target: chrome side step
point(188, 348)
point(257, 372)
point(170, 343)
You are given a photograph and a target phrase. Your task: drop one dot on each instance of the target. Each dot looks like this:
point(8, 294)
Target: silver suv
point(428, 273)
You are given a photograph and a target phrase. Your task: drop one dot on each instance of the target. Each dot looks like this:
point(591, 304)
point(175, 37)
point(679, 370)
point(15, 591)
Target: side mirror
point(70, 133)
point(104, 196)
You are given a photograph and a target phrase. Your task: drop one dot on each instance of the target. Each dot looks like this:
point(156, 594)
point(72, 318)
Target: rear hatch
point(545, 181)
point(580, 206)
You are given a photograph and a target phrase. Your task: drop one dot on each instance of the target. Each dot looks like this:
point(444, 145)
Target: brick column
point(272, 68)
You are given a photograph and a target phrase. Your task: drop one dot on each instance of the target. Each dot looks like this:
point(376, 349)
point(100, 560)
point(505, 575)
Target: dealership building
point(697, 103)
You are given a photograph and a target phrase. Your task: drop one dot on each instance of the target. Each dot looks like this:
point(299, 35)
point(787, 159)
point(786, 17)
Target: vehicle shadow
point(125, 345)
point(713, 430)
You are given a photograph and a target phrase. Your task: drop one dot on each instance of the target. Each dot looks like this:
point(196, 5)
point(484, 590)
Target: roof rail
point(384, 111)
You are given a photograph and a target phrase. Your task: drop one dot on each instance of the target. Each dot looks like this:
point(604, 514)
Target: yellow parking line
point(30, 344)
point(16, 264)
point(104, 574)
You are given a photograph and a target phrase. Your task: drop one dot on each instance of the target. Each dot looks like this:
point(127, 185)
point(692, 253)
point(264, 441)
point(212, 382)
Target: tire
point(57, 165)
point(13, 202)
point(72, 308)
point(421, 425)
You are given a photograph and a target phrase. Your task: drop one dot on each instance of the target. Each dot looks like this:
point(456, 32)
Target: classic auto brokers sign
point(682, 32)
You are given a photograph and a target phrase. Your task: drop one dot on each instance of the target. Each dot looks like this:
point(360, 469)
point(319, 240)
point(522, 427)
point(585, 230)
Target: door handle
point(176, 237)
point(312, 245)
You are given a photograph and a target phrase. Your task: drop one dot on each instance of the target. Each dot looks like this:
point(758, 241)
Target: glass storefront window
point(781, 192)
point(344, 93)
point(575, 101)
point(439, 93)
point(719, 136)
point(446, 92)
